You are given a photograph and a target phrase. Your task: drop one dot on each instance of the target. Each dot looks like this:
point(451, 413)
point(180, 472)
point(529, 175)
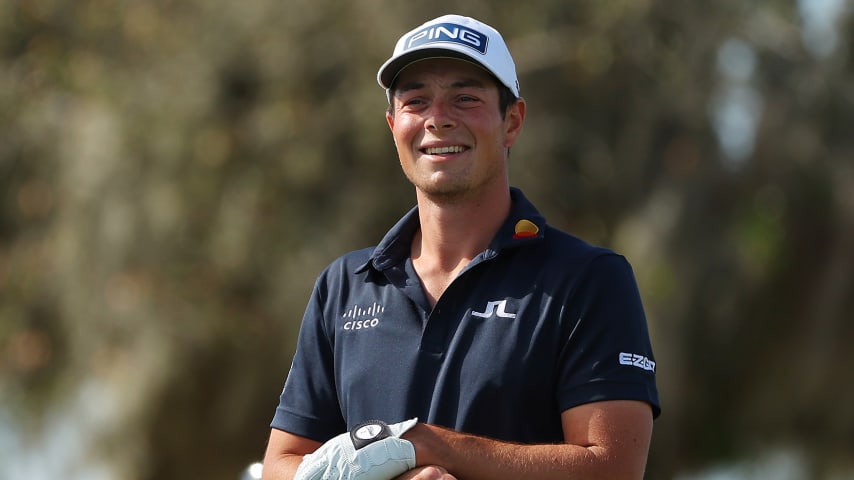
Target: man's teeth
point(441, 150)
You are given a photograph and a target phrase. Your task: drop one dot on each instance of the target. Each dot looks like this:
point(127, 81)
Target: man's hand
point(427, 473)
point(381, 460)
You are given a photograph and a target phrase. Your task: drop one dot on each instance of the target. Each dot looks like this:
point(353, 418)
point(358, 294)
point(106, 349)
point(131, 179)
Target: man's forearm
point(282, 467)
point(469, 457)
point(285, 453)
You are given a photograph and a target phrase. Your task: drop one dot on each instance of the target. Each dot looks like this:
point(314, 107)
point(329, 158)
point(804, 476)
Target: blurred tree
point(175, 174)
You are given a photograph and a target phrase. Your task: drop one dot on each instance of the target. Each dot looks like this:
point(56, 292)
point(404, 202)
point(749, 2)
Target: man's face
point(451, 137)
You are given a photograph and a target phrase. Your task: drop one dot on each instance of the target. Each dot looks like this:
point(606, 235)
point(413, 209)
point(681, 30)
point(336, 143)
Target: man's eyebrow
point(406, 87)
point(467, 82)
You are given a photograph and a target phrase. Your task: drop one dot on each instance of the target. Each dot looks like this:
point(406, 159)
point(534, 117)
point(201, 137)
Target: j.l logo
point(497, 307)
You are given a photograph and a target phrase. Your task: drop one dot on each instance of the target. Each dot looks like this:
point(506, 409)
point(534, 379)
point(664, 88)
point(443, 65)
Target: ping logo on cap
point(448, 32)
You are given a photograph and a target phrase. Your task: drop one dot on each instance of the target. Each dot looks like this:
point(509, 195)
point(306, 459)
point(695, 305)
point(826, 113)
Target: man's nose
point(439, 117)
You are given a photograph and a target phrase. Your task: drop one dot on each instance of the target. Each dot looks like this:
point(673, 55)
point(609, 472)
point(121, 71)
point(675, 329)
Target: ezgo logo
point(448, 32)
point(635, 360)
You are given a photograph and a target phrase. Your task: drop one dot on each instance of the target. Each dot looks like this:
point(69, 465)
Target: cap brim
point(392, 68)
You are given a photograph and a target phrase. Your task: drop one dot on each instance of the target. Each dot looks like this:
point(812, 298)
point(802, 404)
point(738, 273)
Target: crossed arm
point(608, 440)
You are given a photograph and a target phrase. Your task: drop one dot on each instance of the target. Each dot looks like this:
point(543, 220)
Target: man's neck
point(453, 233)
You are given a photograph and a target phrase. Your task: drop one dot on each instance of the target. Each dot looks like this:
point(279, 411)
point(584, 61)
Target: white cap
point(453, 36)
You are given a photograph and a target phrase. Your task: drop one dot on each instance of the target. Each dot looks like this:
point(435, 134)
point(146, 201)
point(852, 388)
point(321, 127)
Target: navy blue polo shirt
point(538, 323)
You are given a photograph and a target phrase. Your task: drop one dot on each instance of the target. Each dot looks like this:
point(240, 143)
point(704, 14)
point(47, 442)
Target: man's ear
point(513, 121)
point(389, 118)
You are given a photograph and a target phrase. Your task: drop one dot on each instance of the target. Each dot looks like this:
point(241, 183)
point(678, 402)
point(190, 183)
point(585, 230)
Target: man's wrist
point(425, 438)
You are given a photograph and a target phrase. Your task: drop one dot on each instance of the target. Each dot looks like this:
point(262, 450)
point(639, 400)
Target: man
point(475, 340)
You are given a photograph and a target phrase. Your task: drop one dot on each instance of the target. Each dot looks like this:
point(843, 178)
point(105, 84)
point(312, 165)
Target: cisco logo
point(360, 318)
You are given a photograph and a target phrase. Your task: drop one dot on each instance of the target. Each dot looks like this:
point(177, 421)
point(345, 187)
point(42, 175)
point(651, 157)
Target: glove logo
point(369, 431)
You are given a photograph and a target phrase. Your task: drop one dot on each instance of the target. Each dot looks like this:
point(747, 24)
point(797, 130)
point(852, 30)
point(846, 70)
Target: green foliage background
point(174, 174)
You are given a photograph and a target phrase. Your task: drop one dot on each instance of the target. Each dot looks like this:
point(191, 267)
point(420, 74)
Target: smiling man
point(451, 135)
point(475, 341)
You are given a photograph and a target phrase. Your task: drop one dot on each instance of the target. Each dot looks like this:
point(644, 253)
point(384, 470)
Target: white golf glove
point(381, 455)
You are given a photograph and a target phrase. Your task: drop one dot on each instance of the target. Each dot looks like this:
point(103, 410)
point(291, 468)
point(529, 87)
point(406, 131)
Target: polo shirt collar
point(523, 225)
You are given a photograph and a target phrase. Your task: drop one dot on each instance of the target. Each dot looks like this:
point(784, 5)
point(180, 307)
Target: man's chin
point(446, 194)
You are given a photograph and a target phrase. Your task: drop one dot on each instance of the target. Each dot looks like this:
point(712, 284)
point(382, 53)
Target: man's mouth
point(444, 150)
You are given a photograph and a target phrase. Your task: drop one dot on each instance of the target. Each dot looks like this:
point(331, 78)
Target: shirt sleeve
point(308, 405)
point(608, 354)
